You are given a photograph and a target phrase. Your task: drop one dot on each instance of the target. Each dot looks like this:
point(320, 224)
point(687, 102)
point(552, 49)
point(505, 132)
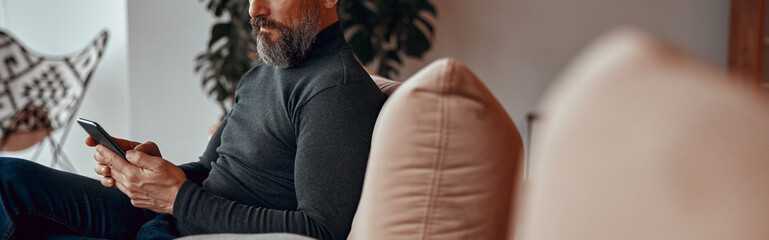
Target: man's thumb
point(149, 148)
point(142, 159)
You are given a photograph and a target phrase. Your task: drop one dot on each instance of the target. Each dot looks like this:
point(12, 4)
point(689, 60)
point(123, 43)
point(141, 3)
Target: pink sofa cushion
point(443, 163)
point(638, 140)
point(385, 85)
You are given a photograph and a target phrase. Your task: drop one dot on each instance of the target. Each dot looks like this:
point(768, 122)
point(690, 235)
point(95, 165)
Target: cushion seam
point(444, 89)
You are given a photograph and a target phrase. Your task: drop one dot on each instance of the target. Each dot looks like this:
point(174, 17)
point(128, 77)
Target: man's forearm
point(199, 212)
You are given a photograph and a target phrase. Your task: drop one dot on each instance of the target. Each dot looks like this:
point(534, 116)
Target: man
point(289, 157)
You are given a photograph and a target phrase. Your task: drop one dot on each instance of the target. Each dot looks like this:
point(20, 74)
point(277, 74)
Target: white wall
point(63, 27)
point(517, 47)
point(168, 105)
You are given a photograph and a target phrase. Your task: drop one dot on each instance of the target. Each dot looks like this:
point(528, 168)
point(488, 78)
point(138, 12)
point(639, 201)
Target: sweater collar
point(328, 39)
point(328, 36)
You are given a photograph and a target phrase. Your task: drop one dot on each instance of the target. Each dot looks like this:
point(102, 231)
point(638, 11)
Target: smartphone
point(100, 136)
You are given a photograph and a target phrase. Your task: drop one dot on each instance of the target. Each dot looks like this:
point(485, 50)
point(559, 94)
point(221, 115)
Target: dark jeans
point(37, 202)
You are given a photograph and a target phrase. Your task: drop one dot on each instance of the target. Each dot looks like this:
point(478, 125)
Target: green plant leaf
point(361, 45)
point(386, 69)
point(427, 6)
point(393, 55)
point(414, 42)
point(220, 7)
point(219, 31)
point(426, 24)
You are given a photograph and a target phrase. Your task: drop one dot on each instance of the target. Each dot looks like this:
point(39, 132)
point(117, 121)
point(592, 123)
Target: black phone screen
point(100, 136)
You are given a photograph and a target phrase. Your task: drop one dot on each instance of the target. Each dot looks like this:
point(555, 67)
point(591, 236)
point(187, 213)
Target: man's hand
point(149, 180)
point(126, 145)
point(103, 169)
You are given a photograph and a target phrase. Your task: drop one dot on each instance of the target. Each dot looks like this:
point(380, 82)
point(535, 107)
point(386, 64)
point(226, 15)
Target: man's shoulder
point(344, 76)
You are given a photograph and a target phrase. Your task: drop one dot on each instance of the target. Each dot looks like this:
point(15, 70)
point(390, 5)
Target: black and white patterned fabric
point(31, 84)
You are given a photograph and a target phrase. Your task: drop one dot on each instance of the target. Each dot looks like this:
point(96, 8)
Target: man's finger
point(101, 169)
point(120, 176)
point(150, 148)
point(141, 203)
point(125, 144)
point(108, 182)
point(123, 189)
point(144, 160)
point(90, 142)
point(112, 159)
point(98, 157)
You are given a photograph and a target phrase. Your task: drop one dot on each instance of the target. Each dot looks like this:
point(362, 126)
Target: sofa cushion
point(385, 85)
point(639, 140)
point(443, 161)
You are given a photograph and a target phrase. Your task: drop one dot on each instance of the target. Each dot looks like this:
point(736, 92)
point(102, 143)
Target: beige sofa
point(443, 164)
point(639, 140)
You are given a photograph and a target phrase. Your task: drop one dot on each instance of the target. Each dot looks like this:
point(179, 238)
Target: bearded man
point(290, 156)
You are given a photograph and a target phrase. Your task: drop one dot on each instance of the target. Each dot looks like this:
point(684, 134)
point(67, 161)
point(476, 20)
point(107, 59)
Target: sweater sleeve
point(198, 171)
point(333, 132)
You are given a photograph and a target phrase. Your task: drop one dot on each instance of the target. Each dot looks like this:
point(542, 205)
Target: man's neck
point(329, 17)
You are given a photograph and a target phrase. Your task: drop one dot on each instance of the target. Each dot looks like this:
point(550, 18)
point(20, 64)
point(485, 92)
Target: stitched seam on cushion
point(442, 138)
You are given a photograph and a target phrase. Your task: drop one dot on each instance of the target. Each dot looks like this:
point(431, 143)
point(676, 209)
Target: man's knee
point(12, 169)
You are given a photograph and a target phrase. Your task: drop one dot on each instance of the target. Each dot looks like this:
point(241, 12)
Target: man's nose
point(259, 8)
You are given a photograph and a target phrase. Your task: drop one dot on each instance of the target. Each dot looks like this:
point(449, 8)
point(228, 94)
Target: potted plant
point(381, 32)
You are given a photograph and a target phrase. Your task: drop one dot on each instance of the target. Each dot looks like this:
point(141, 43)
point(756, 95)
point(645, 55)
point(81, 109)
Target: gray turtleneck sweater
point(291, 155)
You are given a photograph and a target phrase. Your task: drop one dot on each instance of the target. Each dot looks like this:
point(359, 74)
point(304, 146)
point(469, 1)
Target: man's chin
point(269, 37)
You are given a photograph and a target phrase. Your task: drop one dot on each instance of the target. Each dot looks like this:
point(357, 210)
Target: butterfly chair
point(40, 95)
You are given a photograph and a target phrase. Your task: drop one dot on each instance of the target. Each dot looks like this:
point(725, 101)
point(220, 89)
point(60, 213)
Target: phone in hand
point(100, 136)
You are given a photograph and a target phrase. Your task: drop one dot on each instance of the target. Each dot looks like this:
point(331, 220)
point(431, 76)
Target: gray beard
point(290, 49)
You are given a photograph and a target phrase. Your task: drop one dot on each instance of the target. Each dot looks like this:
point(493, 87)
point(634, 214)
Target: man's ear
point(329, 4)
